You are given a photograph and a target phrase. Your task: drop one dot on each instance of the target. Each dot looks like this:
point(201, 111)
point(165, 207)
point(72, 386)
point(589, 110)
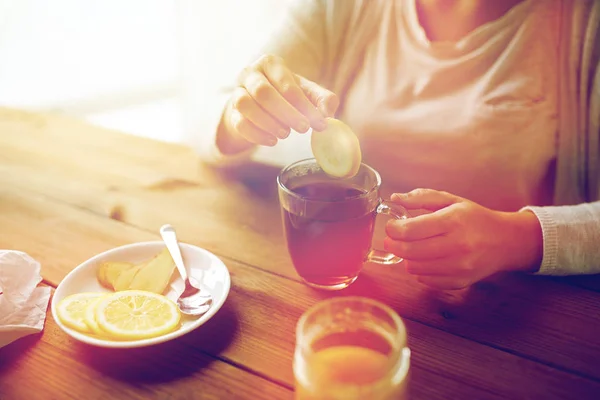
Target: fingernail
point(271, 142)
point(304, 126)
point(282, 133)
point(389, 225)
point(398, 196)
point(321, 125)
point(330, 112)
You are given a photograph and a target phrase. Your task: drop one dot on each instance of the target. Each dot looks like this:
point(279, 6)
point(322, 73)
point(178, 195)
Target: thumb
point(325, 101)
point(425, 199)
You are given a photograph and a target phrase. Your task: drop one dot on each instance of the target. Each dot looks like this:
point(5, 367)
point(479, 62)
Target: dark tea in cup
point(329, 246)
point(329, 223)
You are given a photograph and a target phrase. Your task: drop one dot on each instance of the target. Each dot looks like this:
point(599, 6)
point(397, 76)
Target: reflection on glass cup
point(351, 348)
point(329, 222)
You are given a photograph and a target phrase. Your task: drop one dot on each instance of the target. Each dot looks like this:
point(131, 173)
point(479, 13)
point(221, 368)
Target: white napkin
point(22, 304)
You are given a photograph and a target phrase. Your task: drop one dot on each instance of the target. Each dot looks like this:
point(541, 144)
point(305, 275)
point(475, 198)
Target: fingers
point(432, 267)
point(246, 129)
point(327, 102)
point(426, 199)
point(419, 227)
point(285, 82)
point(271, 100)
point(444, 283)
point(245, 104)
point(429, 249)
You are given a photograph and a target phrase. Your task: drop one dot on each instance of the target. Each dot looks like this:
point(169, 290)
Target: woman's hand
point(268, 102)
point(461, 242)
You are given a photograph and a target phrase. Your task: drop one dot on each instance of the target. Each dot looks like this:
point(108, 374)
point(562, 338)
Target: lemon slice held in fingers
point(136, 314)
point(337, 149)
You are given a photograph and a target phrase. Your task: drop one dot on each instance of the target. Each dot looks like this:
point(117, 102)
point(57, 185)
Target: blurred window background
point(144, 67)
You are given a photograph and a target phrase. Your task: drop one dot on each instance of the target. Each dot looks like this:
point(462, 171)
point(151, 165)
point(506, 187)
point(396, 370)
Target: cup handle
point(380, 256)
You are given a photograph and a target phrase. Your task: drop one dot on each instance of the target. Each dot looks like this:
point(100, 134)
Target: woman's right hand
point(269, 101)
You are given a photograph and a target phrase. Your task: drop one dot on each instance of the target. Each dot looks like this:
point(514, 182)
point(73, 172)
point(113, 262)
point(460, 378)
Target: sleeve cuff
point(549, 264)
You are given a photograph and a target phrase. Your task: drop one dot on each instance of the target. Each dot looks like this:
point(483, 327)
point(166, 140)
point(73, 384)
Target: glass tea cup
point(351, 348)
point(329, 222)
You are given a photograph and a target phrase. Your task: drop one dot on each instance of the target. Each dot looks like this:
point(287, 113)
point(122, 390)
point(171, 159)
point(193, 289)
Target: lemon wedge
point(337, 149)
point(136, 314)
point(71, 310)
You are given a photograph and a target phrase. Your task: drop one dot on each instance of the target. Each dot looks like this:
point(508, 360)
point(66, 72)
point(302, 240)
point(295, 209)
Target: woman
point(493, 106)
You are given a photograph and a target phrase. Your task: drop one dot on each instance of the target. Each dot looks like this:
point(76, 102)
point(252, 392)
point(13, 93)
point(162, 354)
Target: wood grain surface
point(69, 191)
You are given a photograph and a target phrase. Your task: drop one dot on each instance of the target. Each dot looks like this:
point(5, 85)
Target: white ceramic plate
point(200, 263)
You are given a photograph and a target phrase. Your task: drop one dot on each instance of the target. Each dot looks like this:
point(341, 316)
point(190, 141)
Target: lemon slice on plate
point(89, 316)
point(337, 149)
point(136, 314)
point(71, 310)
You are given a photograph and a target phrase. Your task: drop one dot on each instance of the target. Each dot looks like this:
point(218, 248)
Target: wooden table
point(69, 191)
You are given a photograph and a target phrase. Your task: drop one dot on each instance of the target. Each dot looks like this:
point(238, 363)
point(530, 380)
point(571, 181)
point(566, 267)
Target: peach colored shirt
point(501, 138)
point(476, 117)
point(430, 114)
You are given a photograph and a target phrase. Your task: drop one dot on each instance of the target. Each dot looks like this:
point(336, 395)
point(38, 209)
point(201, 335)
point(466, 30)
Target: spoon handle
point(170, 238)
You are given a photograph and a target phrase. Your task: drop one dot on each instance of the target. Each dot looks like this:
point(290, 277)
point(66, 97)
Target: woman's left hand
point(461, 242)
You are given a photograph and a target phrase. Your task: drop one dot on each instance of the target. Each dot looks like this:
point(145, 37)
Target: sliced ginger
point(151, 275)
point(154, 276)
point(109, 272)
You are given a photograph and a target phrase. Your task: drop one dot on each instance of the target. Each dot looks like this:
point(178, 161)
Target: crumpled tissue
point(23, 305)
